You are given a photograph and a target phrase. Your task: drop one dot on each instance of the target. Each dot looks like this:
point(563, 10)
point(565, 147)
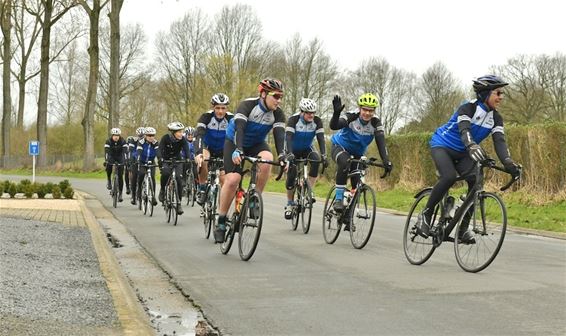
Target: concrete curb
point(130, 313)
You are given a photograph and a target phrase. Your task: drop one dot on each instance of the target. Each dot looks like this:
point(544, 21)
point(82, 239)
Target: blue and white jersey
point(483, 123)
point(259, 121)
point(146, 151)
point(356, 137)
point(215, 130)
point(191, 154)
point(303, 132)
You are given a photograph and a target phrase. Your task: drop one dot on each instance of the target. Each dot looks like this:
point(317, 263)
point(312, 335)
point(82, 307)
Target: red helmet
point(270, 85)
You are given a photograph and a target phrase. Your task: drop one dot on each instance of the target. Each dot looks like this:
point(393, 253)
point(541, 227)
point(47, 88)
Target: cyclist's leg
point(109, 174)
point(134, 180)
point(120, 181)
point(290, 182)
point(228, 190)
point(340, 156)
point(313, 170)
point(165, 173)
point(203, 170)
point(264, 170)
point(140, 176)
point(465, 165)
point(179, 176)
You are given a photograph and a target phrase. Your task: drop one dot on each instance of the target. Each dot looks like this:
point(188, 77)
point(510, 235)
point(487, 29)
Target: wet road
point(296, 284)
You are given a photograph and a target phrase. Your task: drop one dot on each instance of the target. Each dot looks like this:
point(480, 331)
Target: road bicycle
point(482, 213)
point(147, 189)
point(358, 215)
point(190, 188)
point(247, 217)
point(114, 191)
point(304, 197)
point(212, 195)
point(172, 200)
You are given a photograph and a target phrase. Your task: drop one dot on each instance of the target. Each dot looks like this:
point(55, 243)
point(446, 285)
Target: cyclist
point(129, 140)
point(170, 147)
point(245, 135)
point(356, 131)
point(133, 153)
point(455, 146)
point(190, 157)
point(146, 152)
point(300, 132)
point(115, 151)
point(211, 133)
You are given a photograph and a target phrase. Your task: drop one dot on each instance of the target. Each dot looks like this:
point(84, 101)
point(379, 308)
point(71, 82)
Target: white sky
point(467, 36)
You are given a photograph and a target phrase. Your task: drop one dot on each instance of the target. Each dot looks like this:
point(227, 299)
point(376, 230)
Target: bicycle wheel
point(115, 190)
point(362, 217)
point(417, 249)
point(296, 212)
point(187, 188)
point(306, 208)
point(231, 229)
point(251, 222)
point(150, 196)
point(144, 196)
point(167, 204)
point(174, 203)
point(486, 219)
point(207, 211)
point(330, 224)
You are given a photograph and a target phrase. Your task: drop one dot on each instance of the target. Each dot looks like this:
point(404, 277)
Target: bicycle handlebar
point(295, 160)
point(255, 160)
point(174, 161)
point(490, 163)
point(369, 162)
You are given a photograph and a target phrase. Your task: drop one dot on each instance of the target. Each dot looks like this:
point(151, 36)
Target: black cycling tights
point(449, 164)
point(342, 157)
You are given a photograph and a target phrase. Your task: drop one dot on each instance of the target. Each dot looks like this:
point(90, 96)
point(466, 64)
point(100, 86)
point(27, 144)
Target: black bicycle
point(114, 192)
point(212, 195)
point(481, 213)
point(358, 215)
point(172, 199)
point(147, 194)
point(247, 217)
point(304, 197)
point(191, 183)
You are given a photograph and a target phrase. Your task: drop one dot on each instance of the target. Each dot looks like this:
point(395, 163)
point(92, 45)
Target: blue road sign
point(34, 147)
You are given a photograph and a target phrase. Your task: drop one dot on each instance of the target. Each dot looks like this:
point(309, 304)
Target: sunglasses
point(275, 95)
point(499, 93)
point(150, 135)
point(309, 112)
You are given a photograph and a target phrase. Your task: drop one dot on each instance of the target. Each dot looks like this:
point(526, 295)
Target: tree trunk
point(44, 84)
point(6, 76)
point(21, 99)
point(114, 117)
point(90, 106)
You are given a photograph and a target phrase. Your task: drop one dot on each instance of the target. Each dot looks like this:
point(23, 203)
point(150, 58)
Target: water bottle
point(449, 207)
point(458, 203)
point(239, 199)
point(347, 196)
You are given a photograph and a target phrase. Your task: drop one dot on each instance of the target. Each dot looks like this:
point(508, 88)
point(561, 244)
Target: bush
point(64, 185)
point(12, 190)
point(1, 189)
point(6, 185)
point(69, 192)
point(28, 190)
point(49, 187)
point(40, 189)
point(56, 192)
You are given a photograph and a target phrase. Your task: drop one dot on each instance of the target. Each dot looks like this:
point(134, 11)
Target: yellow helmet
point(368, 100)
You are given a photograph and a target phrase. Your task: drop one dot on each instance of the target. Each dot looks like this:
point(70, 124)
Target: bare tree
point(114, 117)
point(6, 26)
point(66, 83)
point(53, 11)
point(93, 73)
point(552, 70)
point(180, 57)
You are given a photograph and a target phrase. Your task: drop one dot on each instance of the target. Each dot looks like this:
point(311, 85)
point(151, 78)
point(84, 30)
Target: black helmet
point(270, 85)
point(488, 83)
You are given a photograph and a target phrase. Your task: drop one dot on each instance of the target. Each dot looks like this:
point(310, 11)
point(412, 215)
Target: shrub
point(28, 190)
point(1, 189)
point(49, 187)
point(12, 190)
point(40, 190)
point(69, 192)
point(6, 185)
point(56, 192)
point(64, 185)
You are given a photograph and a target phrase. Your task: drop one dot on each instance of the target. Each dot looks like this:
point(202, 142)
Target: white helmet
point(115, 131)
point(307, 105)
point(220, 99)
point(140, 131)
point(150, 131)
point(175, 126)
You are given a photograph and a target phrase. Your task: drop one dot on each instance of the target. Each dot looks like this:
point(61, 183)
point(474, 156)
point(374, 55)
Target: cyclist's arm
point(290, 133)
point(498, 136)
point(241, 121)
point(342, 120)
point(106, 150)
point(163, 145)
point(279, 131)
point(379, 135)
point(201, 131)
point(465, 115)
point(186, 147)
point(125, 151)
point(320, 136)
point(139, 150)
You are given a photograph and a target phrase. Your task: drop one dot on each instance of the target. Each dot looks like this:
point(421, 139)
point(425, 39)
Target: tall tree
point(114, 118)
point(53, 11)
point(93, 73)
point(6, 26)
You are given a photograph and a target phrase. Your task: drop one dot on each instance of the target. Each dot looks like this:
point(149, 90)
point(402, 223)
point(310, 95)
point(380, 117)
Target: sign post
point(33, 151)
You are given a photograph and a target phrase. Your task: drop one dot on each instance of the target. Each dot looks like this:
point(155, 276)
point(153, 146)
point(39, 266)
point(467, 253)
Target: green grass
point(97, 174)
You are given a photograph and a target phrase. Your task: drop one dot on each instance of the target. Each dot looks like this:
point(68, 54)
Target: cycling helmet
point(488, 83)
point(115, 131)
point(140, 131)
point(368, 100)
point(175, 126)
point(130, 139)
point(190, 131)
point(149, 131)
point(269, 85)
point(220, 99)
point(307, 105)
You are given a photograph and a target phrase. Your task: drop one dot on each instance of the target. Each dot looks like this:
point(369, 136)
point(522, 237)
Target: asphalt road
point(296, 284)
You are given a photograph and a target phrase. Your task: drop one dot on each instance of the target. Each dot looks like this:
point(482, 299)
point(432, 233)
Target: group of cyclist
point(221, 134)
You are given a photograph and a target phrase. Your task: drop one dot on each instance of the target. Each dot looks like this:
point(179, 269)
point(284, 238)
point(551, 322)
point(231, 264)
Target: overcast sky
point(467, 36)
